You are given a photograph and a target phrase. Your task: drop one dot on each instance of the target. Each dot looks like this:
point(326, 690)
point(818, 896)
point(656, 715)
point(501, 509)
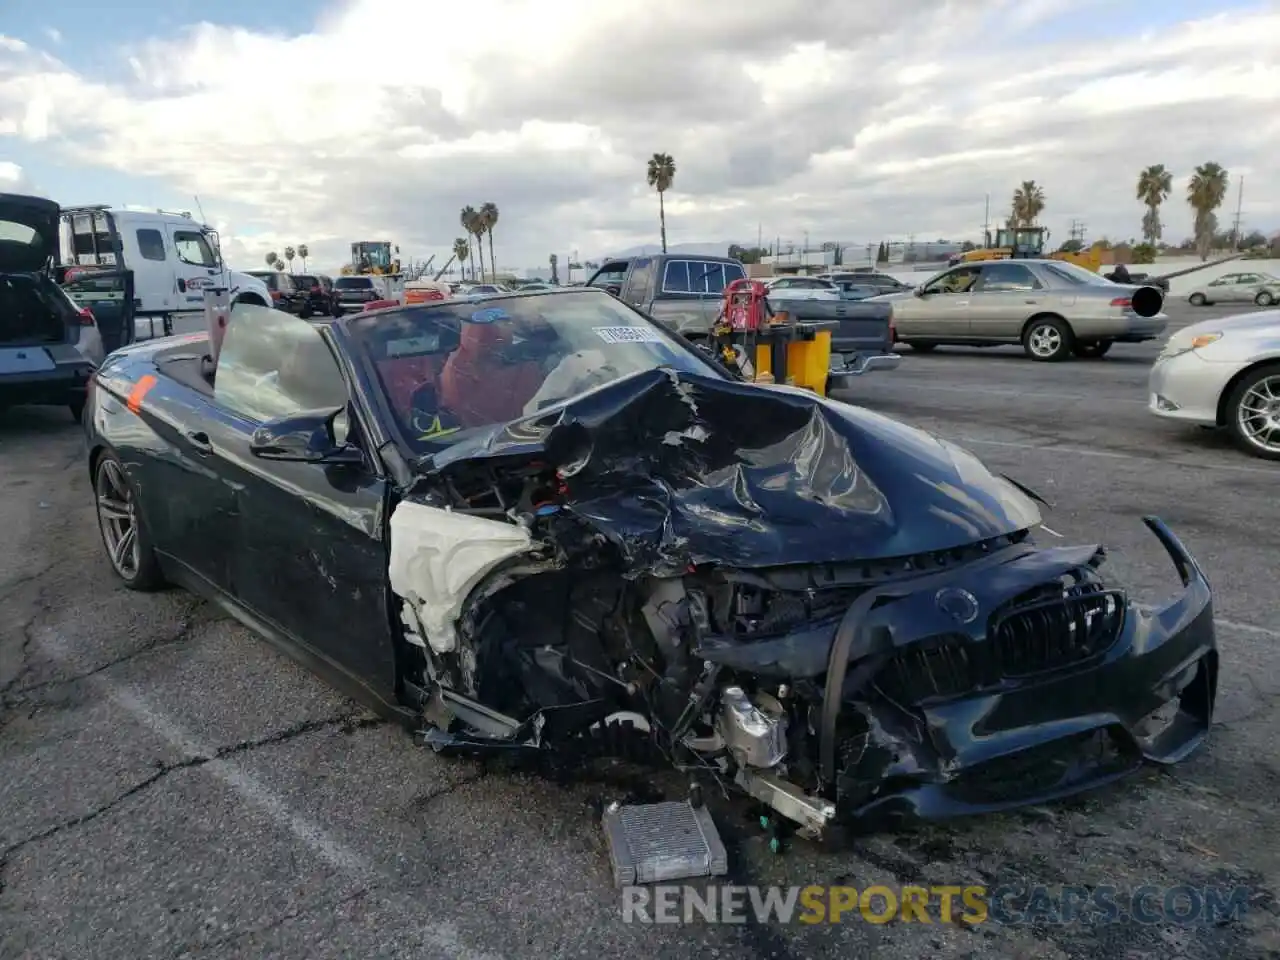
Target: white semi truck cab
point(173, 258)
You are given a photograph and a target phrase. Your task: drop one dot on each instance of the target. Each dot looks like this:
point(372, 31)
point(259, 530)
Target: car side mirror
point(920, 292)
point(615, 289)
point(306, 437)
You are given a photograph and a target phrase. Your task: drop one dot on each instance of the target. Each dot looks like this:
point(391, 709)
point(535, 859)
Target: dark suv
point(317, 293)
point(49, 345)
point(284, 295)
point(352, 293)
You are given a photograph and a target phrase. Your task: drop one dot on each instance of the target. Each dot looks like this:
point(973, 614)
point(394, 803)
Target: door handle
point(962, 303)
point(200, 441)
point(1033, 302)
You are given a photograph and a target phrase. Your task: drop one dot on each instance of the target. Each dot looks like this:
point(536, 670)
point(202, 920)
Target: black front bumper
point(1002, 732)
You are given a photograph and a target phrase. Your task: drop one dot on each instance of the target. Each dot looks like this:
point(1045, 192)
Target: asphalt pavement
point(171, 787)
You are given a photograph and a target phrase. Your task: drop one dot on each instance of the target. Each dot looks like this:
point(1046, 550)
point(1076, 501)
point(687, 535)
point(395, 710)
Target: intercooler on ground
point(657, 842)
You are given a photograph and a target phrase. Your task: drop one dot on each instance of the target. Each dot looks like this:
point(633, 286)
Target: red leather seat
point(479, 390)
point(404, 376)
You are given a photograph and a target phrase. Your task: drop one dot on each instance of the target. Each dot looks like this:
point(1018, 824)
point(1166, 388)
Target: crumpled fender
point(437, 559)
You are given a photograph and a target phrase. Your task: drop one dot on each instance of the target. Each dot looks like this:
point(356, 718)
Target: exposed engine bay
point(835, 614)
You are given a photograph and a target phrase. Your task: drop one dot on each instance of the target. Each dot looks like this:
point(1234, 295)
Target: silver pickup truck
point(684, 292)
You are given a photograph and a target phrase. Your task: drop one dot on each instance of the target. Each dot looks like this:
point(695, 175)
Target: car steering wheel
point(427, 419)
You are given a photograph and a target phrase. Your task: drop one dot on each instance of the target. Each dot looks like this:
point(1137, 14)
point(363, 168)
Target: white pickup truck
point(172, 257)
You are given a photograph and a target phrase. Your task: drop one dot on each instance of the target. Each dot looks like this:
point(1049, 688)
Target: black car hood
point(19, 216)
point(677, 468)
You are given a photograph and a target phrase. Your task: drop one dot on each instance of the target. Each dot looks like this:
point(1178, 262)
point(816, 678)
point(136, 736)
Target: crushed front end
point(850, 640)
point(1019, 677)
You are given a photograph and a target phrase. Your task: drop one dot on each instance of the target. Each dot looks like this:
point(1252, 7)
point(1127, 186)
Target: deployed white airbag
point(438, 557)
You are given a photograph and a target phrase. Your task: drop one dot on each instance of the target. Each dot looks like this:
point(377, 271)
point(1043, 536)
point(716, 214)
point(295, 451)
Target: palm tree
point(1028, 204)
point(468, 220)
point(1205, 192)
point(475, 228)
point(489, 215)
point(271, 259)
point(303, 252)
point(480, 230)
point(554, 260)
point(1155, 183)
point(662, 174)
point(289, 254)
point(462, 250)
point(280, 265)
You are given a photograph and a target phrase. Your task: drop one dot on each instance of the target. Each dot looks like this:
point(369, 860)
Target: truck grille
point(1039, 632)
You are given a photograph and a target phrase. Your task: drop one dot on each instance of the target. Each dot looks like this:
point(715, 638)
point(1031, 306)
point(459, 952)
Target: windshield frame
point(413, 452)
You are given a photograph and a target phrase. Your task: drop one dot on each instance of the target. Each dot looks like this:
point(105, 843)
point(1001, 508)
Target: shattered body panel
point(936, 661)
point(674, 469)
point(836, 614)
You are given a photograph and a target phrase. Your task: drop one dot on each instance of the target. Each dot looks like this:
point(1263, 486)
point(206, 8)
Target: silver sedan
point(1253, 287)
point(1224, 373)
point(1053, 308)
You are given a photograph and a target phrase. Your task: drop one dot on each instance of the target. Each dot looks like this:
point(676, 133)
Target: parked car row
point(302, 294)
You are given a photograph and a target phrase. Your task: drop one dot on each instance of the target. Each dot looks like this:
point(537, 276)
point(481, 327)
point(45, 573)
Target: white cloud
point(13, 179)
point(842, 121)
point(54, 34)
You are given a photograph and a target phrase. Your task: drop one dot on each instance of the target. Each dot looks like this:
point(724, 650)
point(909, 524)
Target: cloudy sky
point(328, 121)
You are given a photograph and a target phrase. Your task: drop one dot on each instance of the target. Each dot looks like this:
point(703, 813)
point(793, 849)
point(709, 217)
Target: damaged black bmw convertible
point(544, 523)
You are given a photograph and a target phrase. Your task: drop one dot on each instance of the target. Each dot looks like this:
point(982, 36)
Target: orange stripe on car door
point(139, 391)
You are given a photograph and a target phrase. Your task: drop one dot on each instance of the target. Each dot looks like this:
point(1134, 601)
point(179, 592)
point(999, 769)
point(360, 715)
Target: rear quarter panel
point(139, 414)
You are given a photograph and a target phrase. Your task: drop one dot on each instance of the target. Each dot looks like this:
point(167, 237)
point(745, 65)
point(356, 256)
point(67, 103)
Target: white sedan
point(802, 288)
point(1224, 373)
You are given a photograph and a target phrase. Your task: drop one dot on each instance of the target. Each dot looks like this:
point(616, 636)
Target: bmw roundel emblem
point(960, 605)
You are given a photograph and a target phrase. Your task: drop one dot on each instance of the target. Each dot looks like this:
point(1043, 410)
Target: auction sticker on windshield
point(628, 334)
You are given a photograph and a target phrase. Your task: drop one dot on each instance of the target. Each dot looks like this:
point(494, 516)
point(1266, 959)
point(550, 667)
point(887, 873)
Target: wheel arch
point(95, 454)
point(1230, 386)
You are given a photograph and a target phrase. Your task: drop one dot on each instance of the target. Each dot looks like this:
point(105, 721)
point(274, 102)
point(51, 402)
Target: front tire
point(124, 535)
point(1048, 339)
point(922, 346)
point(1253, 413)
point(1264, 299)
point(1198, 300)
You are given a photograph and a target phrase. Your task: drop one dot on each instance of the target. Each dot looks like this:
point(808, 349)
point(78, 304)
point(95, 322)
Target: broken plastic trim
point(1188, 570)
point(853, 627)
point(1028, 491)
